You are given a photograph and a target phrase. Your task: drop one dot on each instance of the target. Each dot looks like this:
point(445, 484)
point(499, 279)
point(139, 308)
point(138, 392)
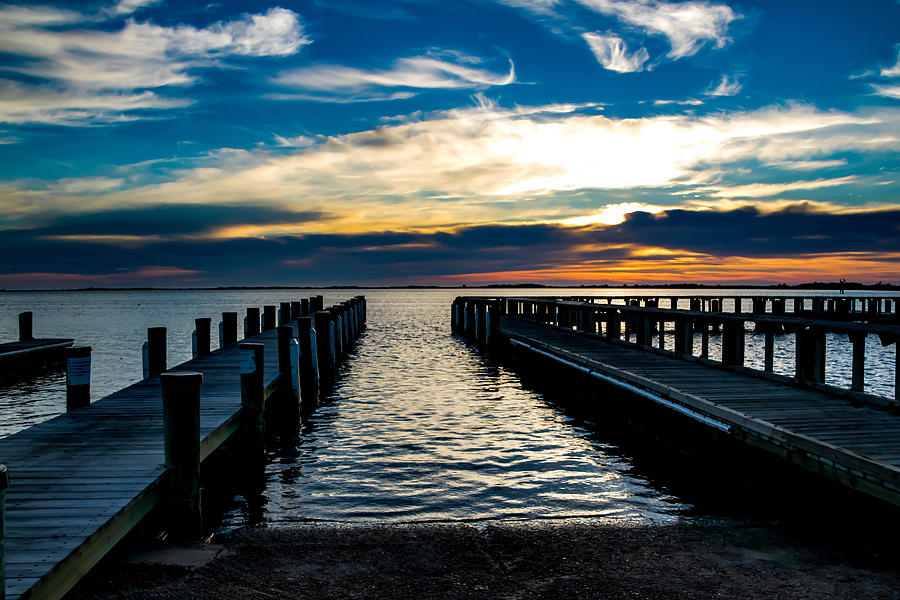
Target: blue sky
point(569, 141)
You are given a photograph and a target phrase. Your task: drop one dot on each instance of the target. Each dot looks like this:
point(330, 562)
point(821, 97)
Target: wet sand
point(708, 559)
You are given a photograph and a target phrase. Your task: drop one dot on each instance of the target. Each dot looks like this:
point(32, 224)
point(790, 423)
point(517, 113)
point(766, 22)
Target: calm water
point(420, 426)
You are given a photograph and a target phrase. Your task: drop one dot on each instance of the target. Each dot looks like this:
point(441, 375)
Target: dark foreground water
point(420, 427)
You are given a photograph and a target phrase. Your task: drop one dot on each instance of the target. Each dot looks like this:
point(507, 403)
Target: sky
point(359, 142)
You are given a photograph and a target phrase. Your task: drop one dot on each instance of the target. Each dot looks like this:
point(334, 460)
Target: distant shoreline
point(848, 286)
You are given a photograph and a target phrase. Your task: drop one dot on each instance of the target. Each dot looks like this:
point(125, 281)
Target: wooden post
point(288, 401)
point(78, 377)
point(284, 313)
point(470, 319)
point(156, 351)
point(738, 309)
point(480, 323)
point(309, 365)
point(253, 422)
point(733, 343)
point(859, 361)
point(229, 328)
point(643, 329)
point(4, 485)
point(897, 371)
point(662, 334)
point(295, 310)
point(324, 348)
point(316, 303)
point(181, 430)
point(336, 333)
point(26, 326)
point(252, 322)
point(268, 317)
point(613, 325)
point(684, 337)
point(810, 355)
point(304, 307)
point(769, 364)
point(704, 338)
point(201, 328)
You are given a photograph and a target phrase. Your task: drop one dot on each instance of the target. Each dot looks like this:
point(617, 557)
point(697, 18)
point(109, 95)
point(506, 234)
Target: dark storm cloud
point(403, 256)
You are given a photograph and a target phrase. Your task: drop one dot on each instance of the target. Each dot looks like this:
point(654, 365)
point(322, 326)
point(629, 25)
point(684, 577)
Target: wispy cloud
point(888, 91)
point(411, 73)
point(611, 52)
point(892, 71)
point(725, 87)
point(127, 7)
point(688, 26)
point(94, 66)
point(768, 190)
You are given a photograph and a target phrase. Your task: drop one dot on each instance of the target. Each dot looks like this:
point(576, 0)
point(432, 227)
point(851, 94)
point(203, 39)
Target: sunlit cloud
point(894, 70)
point(688, 26)
point(611, 52)
point(76, 69)
point(126, 7)
point(888, 91)
point(612, 214)
point(417, 72)
point(766, 190)
point(725, 87)
point(808, 165)
point(473, 165)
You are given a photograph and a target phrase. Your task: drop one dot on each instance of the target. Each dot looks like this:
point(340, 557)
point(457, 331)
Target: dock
point(845, 436)
point(80, 482)
point(29, 356)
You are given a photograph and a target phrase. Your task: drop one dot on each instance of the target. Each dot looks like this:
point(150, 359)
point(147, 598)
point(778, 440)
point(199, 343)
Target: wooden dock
point(821, 430)
point(81, 481)
point(30, 356)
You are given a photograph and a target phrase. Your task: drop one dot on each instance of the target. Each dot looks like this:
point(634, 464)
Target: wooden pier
point(78, 483)
point(845, 436)
point(30, 356)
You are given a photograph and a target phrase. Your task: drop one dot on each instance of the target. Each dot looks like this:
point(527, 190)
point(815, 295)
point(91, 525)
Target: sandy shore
point(535, 560)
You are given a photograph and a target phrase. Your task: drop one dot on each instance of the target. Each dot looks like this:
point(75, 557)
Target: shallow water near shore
point(420, 427)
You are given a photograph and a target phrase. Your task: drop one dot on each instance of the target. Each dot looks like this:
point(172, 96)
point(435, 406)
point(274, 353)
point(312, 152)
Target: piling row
point(312, 342)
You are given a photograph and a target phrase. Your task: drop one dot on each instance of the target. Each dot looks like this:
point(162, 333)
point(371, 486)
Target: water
point(420, 426)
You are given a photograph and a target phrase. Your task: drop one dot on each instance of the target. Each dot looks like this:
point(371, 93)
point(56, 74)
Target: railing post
point(181, 429)
point(268, 317)
point(4, 485)
point(229, 328)
point(704, 337)
point(252, 322)
point(859, 361)
point(769, 360)
point(309, 365)
point(643, 332)
point(78, 377)
point(201, 329)
point(684, 336)
point(26, 326)
point(156, 351)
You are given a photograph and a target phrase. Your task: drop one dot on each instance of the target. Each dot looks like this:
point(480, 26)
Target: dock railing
point(638, 321)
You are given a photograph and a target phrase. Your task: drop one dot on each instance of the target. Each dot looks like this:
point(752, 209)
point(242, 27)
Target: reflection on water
point(422, 428)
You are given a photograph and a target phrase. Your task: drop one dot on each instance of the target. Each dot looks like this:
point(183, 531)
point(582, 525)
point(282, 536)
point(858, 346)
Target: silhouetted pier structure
point(844, 435)
point(29, 355)
point(78, 483)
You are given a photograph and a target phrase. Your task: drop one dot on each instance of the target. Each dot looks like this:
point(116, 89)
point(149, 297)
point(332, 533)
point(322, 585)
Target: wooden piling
point(26, 326)
point(253, 423)
point(181, 430)
point(4, 485)
point(684, 336)
point(268, 317)
point(324, 348)
point(229, 328)
point(337, 341)
point(309, 365)
point(156, 351)
point(810, 355)
point(284, 313)
point(769, 353)
point(287, 403)
point(316, 303)
point(733, 343)
point(78, 377)
point(304, 307)
point(252, 322)
point(202, 329)
point(859, 361)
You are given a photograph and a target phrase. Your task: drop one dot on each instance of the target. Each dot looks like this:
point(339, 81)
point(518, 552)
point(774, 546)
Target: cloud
point(126, 7)
point(417, 72)
point(611, 52)
point(476, 164)
point(808, 165)
point(726, 87)
point(889, 91)
point(688, 26)
point(796, 242)
point(767, 190)
point(892, 71)
point(75, 69)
